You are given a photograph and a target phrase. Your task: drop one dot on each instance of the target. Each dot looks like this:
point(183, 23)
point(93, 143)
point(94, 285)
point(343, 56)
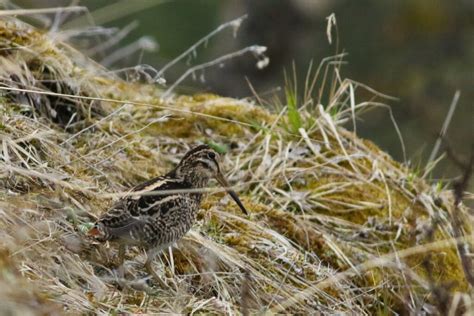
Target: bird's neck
point(193, 179)
point(196, 181)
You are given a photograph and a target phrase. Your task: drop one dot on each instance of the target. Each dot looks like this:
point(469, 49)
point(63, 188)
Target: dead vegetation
point(336, 224)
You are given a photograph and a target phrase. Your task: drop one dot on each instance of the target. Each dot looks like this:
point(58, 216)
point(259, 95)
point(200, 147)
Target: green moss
point(205, 111)
point(446, 268)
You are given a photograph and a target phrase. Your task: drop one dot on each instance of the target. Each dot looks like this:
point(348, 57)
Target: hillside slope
point(336, 225)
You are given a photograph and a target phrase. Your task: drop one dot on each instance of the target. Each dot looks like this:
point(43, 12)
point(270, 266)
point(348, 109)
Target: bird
point(157, 213)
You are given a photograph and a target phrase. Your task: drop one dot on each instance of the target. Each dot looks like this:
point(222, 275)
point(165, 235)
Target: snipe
point(162, 210)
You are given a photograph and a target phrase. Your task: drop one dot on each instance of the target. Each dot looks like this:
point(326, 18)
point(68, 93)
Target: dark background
point(420, 51)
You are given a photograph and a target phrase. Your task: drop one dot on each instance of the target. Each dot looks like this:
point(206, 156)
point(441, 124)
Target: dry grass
point(336, 224)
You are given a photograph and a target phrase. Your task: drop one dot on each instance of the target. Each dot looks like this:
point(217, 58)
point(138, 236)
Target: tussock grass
point(336, 226)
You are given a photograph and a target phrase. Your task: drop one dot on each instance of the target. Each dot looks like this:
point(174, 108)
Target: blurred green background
point(420, 51)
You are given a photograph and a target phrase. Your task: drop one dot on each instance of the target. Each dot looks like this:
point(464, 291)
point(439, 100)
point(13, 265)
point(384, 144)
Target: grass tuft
point(294, 118)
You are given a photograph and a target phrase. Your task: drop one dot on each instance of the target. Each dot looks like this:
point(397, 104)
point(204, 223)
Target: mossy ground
point(321, 203)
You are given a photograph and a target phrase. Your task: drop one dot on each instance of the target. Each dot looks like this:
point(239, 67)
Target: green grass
point(294, 118)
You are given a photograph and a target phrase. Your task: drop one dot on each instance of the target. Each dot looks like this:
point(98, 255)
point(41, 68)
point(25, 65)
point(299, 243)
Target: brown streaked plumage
point(162, 212)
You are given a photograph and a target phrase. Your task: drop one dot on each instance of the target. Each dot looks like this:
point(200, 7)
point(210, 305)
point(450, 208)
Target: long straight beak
point(220, 178)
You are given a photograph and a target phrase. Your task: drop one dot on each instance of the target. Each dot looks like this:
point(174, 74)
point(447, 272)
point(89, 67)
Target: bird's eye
point(211, 155)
